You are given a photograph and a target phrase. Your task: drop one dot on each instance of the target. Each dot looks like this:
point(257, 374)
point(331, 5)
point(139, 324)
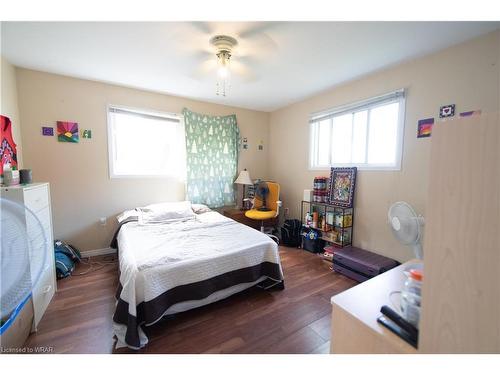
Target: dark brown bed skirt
point(149, 312)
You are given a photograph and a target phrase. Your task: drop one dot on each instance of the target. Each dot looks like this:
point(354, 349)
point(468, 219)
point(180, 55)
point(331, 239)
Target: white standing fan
point(23, 254)
point(407, 226)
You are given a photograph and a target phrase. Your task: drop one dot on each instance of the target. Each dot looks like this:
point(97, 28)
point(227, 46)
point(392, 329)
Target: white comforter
point(156, 258)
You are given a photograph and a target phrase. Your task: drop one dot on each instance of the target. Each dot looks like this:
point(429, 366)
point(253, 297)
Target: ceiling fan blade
point(205, 71)
point(252, 60)
point(241, 72)
point(201, 55)
point(202, 26)
point(257, 28)
point(262, 43)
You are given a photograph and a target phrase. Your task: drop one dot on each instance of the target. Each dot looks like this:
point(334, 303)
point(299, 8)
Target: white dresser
point(37, 198)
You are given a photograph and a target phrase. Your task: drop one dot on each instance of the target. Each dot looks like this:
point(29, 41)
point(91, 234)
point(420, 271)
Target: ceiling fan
point(229, 52)
point(224, 45)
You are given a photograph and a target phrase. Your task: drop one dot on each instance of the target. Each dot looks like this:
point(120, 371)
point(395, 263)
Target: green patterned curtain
point(212, 158)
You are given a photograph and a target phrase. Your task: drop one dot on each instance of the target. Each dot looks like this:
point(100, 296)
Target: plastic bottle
point(308, 220)
point(411, 296)
point(315, 220)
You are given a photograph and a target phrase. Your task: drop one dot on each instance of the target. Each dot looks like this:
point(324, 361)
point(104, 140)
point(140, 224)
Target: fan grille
point(23, 254)
point(404, 223)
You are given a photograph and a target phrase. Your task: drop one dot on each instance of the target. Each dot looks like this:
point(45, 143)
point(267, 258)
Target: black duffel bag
point(290, 233)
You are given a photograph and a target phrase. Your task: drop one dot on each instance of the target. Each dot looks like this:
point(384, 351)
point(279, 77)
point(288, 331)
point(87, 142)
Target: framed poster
point(425, 127)
point(47, 131)
point(447, 111)
point(342, 184)
point(67, 131)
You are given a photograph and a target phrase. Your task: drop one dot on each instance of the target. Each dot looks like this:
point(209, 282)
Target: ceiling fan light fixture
point(223, 59)
point(223, 42)
point(224, 45)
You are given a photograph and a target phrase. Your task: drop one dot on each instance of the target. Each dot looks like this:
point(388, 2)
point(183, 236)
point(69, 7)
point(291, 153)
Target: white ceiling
point(275, 63)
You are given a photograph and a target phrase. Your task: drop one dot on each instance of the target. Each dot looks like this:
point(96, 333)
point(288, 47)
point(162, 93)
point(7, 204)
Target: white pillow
point(200, 208)
point(165, 212)
point(127, 214)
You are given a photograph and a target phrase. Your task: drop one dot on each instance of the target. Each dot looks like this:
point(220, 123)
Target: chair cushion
point(260, 215)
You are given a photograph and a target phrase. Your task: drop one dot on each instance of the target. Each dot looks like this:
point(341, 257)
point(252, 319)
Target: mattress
point(170, 268)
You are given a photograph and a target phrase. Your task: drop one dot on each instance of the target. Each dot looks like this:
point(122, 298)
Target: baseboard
point(96, 252)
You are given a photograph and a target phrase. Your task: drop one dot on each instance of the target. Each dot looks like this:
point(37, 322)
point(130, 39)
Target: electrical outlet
point(102, 221)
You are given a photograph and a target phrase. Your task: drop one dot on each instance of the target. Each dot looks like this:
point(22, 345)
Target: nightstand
point(239, 215)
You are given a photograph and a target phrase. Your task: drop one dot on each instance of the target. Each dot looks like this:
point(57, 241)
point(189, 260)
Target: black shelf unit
point(339, 222)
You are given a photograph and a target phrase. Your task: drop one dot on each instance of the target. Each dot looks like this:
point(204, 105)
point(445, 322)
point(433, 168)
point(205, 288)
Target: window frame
point(397, 96)
point(141, 111)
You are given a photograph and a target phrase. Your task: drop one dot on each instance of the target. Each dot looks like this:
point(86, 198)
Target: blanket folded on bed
point(169, 268)
point(114, 240)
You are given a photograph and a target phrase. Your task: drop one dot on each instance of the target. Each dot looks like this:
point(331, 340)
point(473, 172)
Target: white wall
point(466, 75)
point(82, 191)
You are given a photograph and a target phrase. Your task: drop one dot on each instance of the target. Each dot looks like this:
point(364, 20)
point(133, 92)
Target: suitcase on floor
point(359, 264)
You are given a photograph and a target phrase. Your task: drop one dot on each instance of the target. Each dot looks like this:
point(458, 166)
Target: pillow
point(165, 212)
point(200, 208)
point(127, 214)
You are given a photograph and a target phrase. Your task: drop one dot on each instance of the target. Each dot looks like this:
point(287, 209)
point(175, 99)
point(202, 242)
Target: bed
point(174, 265)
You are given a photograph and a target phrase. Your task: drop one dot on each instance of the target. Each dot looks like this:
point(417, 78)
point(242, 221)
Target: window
point(367, 135)
point(145, 144)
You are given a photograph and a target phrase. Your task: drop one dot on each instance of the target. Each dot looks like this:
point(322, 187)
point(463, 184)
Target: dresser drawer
point(37, 198)
point(43, 293)
point(44, 216)
point(39, 234)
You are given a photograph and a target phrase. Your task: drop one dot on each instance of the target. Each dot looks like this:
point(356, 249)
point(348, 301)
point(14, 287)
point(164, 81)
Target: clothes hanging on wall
point(211, 158)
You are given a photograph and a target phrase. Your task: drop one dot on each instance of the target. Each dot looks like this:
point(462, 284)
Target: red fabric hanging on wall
point(8, 151)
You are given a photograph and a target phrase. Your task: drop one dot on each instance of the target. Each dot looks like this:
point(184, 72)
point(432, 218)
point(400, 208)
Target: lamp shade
point(244, 178)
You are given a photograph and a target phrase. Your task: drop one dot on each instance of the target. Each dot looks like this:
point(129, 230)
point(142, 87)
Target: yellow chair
point(273, 204)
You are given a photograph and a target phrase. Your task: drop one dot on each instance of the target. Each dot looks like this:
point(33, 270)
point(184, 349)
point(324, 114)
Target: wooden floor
point(294, 320)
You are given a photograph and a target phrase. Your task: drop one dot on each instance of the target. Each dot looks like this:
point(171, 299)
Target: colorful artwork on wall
point(470, 113)
point(447, 111)
point(8, 149)
point(425, 127)
point(67, 131)
point(47, 131)
point(342, 184)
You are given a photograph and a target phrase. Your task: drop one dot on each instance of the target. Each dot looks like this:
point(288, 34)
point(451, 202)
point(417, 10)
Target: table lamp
point(243, 179)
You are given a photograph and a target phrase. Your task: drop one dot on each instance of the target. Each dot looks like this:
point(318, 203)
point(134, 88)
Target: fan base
point(263, 209)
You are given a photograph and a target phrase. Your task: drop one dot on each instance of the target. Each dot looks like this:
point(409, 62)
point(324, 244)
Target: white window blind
point(145, 143)
point(367, 134)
